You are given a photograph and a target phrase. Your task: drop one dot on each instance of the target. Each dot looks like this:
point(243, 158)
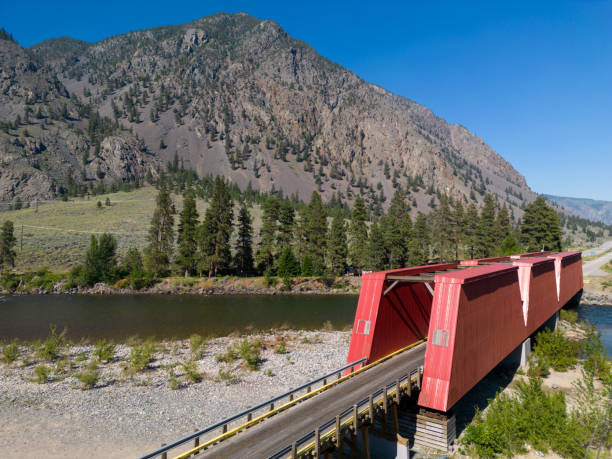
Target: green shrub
point(250, 351)
point(104, 351)
point(41, 373)
point(281, 348)
point(553, 347)
point(173, 381)
point(9, 281)
point(269, 279)
point(287, 284)
point(190, 367)
point(49, 349)
point(196, 344)
point(247, 349)
point(596, 359)
point(10, 353)
point(89, 376)
point(569, 315)
point(226, 375)
point(531, 417)
point(140, 357)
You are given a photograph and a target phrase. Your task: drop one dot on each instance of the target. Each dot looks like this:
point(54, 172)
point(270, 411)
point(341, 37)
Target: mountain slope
point(233, 95)
point(591, 209)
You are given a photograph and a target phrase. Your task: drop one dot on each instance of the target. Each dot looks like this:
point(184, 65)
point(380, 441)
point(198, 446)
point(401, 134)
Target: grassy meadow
point(56, 235)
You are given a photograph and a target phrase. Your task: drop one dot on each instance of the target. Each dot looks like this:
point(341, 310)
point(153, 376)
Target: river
point(27, 317)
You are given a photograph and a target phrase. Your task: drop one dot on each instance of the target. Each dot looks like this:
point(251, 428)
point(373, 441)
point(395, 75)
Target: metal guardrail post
point(338, 433)
point(224, 428)
point(294, 450)
point(317, 441)
point(271, 406)
point(249, 417)
point(196, 442)
point(355, 419)
point(164, 454)
point(385, 403)
point(409, 388)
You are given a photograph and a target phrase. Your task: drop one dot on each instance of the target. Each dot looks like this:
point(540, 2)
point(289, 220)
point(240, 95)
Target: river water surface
point(27, 317)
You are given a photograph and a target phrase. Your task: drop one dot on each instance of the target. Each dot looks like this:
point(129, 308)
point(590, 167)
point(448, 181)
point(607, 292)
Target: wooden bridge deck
point(272, 435)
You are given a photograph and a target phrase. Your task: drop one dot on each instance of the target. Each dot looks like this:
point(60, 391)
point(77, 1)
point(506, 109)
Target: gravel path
point(124, 416)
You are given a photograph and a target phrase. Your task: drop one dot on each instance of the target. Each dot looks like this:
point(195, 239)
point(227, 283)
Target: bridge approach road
point(273, 434)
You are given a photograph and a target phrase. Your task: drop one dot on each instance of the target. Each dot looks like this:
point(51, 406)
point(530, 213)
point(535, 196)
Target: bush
point(596, 360)
point(248, 350)
point(190, 367)
point(49, 349)
point(281, 348)
point(196, 344)
point(89, 377)
point(103, 351)
point(269, 279)
point(9, 281)
point(226, 375)
point(41, 373)
point(531, 417)
point(140, 357)
point(10, 353)
point(554, 348)
point(569, 315)
point(173, 381)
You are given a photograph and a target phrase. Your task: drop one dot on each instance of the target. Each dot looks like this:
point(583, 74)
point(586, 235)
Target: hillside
point(230, 95)
point(591, 209)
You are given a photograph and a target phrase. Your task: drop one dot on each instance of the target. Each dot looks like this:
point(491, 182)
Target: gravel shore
point(126, 415)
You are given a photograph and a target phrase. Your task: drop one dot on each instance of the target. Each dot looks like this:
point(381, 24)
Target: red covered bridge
point(474, 314)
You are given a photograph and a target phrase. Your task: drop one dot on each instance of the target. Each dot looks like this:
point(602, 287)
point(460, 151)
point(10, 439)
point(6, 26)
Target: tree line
point(313, 241)
point(307, 240)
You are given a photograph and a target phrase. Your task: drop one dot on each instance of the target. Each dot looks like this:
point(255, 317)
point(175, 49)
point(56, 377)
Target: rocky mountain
point(230, 95)
point(591, 209)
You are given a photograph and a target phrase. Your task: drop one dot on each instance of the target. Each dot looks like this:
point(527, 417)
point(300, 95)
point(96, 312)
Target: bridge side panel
point(476, 321)
point(365, 316)
point(538, 291)
point(568, 273)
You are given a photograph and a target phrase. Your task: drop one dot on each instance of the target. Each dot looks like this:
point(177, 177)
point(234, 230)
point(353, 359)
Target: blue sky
point(533, 79)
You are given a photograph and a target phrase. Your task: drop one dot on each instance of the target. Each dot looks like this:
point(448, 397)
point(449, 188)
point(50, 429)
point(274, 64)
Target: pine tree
point(286, 221)
point(7, 245)
point(315, 232)
point(244, 244)
point(502, 225)
point(337, 247)
point(376, 252)
point(187, 238)
point(442, 230)
point(421, 242)
point(358, 235)
point(541, 228)
point(161, 235)
point(487, 230)
point(471, 230)
point(100, 260)
point(216, 230)
point(266, 250)
point(288, 265)
point(458, 230)
point(396, 226)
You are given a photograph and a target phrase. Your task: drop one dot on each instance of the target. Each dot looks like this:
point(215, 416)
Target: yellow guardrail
point(234, 431)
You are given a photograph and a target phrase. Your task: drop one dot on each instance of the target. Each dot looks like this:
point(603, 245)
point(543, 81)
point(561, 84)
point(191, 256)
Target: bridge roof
point(476, 273)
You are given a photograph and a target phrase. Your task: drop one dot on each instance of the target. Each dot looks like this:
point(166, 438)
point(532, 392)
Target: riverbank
point(59, 284)
point(128, 412)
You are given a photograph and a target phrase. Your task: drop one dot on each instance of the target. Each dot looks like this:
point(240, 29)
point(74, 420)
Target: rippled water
point(168, 316)
point(601, 317)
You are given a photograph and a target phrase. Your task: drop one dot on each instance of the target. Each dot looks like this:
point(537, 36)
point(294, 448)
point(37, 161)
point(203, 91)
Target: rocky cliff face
point(236, 96)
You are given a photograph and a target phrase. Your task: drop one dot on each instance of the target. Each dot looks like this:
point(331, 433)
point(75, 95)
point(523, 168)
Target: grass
point(41, 373)
point(104, 351)
point(226, 375)
point(281, 348)
point(190, 367)
point(196, 344)
point(247, 349)
point(50, 348)
point(89, 376)
point(140, 357)
point(10, 353)
point(59, 250)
